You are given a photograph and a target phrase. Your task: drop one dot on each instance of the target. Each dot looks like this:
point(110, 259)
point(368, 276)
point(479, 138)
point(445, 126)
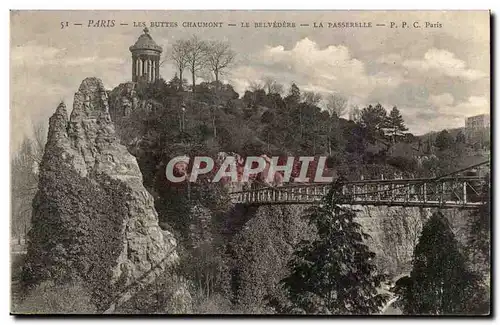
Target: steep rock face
point(93, 218)
point(395, 232)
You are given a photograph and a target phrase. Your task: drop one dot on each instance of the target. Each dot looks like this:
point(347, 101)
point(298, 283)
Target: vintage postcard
point(250, 162)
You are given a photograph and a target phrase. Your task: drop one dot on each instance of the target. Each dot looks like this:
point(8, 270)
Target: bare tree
point(336, 104)
point(24, 178)
point(219, 56)
point(196, 57)
point(272, 86)
point(278, 88)
point(311, 97)
point(268, 82)
point(255, 86)
point(39, 140)
point(355, 114)
point(179, 55)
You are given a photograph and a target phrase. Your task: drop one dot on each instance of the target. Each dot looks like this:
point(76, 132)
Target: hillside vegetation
point(239, 259)
point(169, 122)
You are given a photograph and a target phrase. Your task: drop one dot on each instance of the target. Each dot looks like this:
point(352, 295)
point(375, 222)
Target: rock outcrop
point(395, 231)
point(93, 219)
point(124, 100)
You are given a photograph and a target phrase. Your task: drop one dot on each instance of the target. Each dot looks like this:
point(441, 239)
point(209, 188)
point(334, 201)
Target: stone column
point(157, 68)
point(153, 70)
point(155, 65)
point(150, 75)
point(134, 68)
point(149, 69)
point(153, 78)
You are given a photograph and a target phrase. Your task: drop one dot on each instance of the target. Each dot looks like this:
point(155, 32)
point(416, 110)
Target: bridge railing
point(458, 191)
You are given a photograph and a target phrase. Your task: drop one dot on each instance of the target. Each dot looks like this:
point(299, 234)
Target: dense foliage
point(235, 260)
point(479, 231)
point(92, 238)
point(260, 253)
point(163, 296)
point(334, 273)
point(49, 298)
point(440, 282)
point(244, 259)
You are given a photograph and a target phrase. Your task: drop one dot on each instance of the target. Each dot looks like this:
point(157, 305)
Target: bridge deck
point(447, 192)
point(428, 204)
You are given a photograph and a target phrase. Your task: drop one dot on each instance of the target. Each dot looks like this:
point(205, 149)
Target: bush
point(214, 304)
point(402, 163)
point(166, 295)
point(49, 298)
point(207, 268)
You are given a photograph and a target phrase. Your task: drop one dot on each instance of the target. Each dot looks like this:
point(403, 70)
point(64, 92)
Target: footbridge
point(460, 189)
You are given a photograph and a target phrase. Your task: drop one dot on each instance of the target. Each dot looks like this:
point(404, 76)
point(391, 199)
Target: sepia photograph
point(246, 162)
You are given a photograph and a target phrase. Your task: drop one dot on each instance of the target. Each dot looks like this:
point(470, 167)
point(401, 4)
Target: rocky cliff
point(93, 219)
point(395, 232)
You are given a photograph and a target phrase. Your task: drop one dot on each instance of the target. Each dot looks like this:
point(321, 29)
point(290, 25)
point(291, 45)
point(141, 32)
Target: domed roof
point(145, 42)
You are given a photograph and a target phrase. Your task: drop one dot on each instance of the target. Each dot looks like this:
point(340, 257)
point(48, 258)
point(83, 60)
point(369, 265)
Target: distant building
point(477, 130)
point(145, 58)
point(477, 122)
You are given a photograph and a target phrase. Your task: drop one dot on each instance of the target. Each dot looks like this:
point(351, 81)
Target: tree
point(24, 178)
point(479, 230)
point(355, 114)
point(439, 283)
point(177, 83)
point(196, 57)
point(311, 97)
point(255, 86)
point(261, 251)
point(395, 124)
point(336, 104)
point(179, 55)
point(292, 102)
point(374, 117)
point(334, 273)
point(294, 94)
point(255, 96)
point(272, 86)
point(444, 140)
point(219, 56)
point(460, 138)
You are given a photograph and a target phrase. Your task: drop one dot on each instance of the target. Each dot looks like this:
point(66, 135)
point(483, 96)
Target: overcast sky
point(435, 76)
